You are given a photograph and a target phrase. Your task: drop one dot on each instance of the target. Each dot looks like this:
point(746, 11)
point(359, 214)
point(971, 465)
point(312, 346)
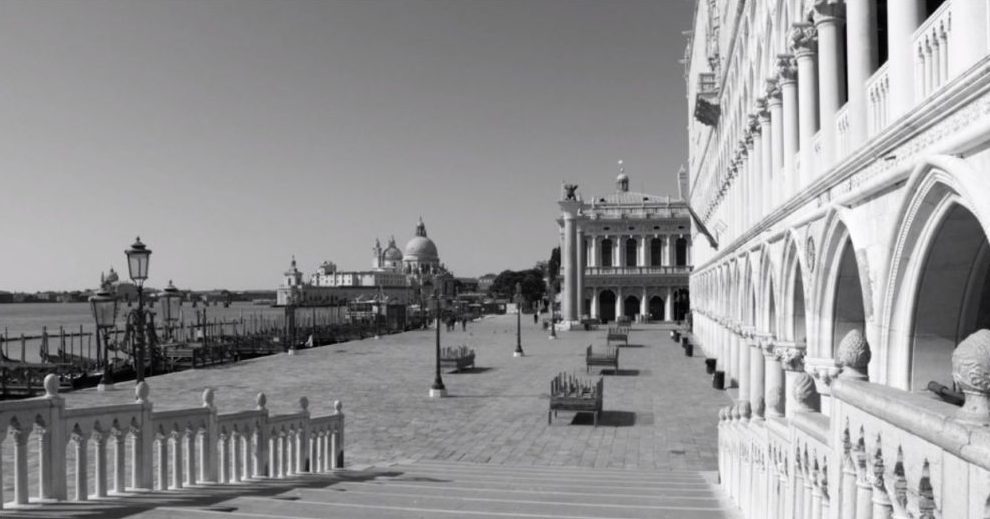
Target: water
point(31, 318)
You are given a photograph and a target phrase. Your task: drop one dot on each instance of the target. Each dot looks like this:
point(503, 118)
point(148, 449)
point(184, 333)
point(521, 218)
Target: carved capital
point(803, 39)
point(786, 69)
point(773, 88)
point(853, 355)
point(829, 12)
point(971, 372)
point(790, 355)
point(754, 123)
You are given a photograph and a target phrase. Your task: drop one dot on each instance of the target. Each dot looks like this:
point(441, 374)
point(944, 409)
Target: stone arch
point(940, 251)
point(607, 305)
point(793, 300)
point(840, 297)
point(655, 308)
point(630, 307)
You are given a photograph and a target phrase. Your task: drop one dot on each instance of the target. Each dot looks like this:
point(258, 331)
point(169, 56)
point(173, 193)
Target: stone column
point(774, 375)
point(620, 304)
point(968, 39)
point(569, 259)
point(863, 55)
point(765, 138)
point(593, 260)
point(672, 249)
point(805, 41)
point(742, 344)
point(756, 373)
point(791, 357)
point(668, 305)
point(594, 303)
point(756, 184)
point(732, 375)
point(775, 112)
point(831, 74)
point(902, 20)
point(580, 272)
point(787, 72)
point(644, 307)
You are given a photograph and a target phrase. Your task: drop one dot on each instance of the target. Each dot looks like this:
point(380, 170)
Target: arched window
point(631, 250)
point(606, 253)
point(656, 253)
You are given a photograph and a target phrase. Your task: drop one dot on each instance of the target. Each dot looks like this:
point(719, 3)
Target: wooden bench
point(457, 358)
point(569, 393)
point(618, 333)
point(589, 324)
point(608, 357)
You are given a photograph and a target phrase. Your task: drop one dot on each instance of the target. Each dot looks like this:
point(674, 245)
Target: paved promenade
point(660, 411)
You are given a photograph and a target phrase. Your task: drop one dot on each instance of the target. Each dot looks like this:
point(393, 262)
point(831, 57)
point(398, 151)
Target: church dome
point(420, 247)
point(392, 253)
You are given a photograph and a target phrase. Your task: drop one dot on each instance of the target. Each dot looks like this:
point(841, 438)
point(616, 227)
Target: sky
point(233, 134)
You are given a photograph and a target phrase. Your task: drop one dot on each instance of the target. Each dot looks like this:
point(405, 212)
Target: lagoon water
point(32, 318)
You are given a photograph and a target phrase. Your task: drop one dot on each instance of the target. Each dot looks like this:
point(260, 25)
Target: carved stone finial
point(971, 372)
point(744, 410)
point(51, 385)
point(336, 407)
point(804, 393)
point(853, 355)
point(722, 414)
point(261, 400)
point(208, 397)
point(734, 412)
point(142, 390)
point(304, 403)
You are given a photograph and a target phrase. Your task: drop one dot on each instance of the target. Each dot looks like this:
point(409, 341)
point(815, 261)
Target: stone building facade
point(624, 254)
point(838, 155)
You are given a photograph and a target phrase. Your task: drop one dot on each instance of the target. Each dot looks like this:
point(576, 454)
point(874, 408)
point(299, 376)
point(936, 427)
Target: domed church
point(421, 256)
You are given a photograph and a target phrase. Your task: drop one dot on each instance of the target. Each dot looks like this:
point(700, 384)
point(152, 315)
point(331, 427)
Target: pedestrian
point(536, 317)
point(463, 324)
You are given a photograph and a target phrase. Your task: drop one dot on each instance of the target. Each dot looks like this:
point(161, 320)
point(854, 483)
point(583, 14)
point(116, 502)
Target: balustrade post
point(245, 449)
point(207, 459)
point(261, 444)
point(119, 461)
point(189, 442)
point(337, 438)
point(176, 439)
point(144, 441)
point(162, 462)
point(303, 461)
point(235, 454)
point(82, 493)
point(100, 465)
point(224, 465)
point(796, 502)
point(882, 507)
point(808, 478)
point(54, 439)
point(20, 436)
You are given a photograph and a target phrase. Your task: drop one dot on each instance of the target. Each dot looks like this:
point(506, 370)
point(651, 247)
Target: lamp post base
point(292, 351)
point(518, 354)
point(552, 337)
point(101, 387)
point(438, 393)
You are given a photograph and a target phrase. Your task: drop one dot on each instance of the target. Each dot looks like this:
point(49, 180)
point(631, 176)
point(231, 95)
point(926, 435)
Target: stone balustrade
point(881, 452)
point(167, 449)
point(930, 44)
point(625, 271)
point(878, 100)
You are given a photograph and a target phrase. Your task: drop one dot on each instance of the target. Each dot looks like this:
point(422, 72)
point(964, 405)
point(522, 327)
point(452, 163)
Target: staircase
point(446, 489)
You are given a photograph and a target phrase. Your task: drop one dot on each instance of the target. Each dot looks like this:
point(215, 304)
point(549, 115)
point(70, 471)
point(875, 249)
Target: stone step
point(547, 469)
point(513, 472)
point(393, 506)
point(583, 484)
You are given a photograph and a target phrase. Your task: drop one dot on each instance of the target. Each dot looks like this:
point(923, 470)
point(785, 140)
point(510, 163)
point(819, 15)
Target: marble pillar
point(804, 38)
point(831, 75)
point(863, 58)
point(787, 71)
point(902, 19)
point(775, 144)
point(569, 260)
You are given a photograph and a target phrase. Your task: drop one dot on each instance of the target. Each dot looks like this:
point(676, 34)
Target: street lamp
point(519, 350)
point(104, 306)
point(553, 320)
point(290, 320)
point(171, 303)
point(138, 257)
point(437, 390)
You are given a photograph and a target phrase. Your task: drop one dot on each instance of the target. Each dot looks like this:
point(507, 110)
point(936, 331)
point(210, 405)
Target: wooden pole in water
point(23, 348)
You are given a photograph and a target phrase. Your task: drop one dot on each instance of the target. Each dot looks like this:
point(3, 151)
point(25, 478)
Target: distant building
point(624, 254)
point(485, 282)
point(399, 276)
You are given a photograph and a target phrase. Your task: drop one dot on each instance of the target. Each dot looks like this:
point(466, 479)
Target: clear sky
point(231, 134)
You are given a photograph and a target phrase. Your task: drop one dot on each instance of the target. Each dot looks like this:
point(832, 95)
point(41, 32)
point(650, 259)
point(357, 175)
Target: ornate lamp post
point(171, 303)
point(104, 306)
point(138, 257)
point(519, 350)
point(553, 327)
point(437, 390)
point(290, 321)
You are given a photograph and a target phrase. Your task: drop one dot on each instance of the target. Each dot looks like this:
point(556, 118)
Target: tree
point(553, 267)
point(531, 281)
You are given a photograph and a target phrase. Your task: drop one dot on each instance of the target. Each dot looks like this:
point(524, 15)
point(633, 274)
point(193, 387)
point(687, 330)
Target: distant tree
point(553, 267)
point(532, 284)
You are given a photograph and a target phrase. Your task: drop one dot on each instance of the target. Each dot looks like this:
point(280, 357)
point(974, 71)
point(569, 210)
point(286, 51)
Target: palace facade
point(398, 276)
point(624, 254)
point(838, 157)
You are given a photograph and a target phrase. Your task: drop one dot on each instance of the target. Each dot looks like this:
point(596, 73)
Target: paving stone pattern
point(660, 410)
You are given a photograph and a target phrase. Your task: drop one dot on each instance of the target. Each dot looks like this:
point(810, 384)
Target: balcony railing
point(878, 100)
point(627, 271)
point(842, 133)
point(931, 49)
point(194, 445)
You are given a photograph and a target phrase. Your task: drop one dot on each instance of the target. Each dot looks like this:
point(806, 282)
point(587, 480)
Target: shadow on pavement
point(607, 419)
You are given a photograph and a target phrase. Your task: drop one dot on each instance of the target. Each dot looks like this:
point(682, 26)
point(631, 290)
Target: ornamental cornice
point(786, 69)
point(790, 355)
point(803, 39)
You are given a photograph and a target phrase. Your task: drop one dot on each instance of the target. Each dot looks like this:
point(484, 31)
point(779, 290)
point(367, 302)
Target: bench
point(457, 358)
point(618, 333)
point(569, 393)
point(589, 324)
point(609, 357)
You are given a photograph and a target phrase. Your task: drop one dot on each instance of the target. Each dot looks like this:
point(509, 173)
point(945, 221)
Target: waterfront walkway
point(659, 413)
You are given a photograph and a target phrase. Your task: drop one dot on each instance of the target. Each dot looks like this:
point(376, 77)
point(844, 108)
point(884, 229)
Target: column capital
point(827, 12)
point(790, 355)
point(786, 71)
point(803, 39)
point(754, 121)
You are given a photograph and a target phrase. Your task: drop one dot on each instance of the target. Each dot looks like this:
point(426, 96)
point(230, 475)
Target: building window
point(656, 253)
point(631, 252)
point(606, 252)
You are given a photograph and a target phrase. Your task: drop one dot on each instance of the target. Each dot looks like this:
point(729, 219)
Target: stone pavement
point(660, 411)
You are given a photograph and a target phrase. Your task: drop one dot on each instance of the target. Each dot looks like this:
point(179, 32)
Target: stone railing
point(881, 452)
point(842, 145)
point(193, 446)
point(931, 51)
point(878, 100)
point(625, 271)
